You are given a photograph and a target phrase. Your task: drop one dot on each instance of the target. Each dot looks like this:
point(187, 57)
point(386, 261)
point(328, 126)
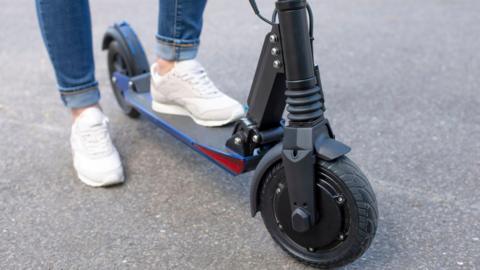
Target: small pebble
point(460, 263)
point(162, 231)
point(475, 238)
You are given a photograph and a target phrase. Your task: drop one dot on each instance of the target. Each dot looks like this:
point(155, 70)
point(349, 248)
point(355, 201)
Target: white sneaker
point(187, 90)
point(95, 158)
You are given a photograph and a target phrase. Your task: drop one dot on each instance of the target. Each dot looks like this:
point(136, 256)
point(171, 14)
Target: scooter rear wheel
point(347, 214)
point(117, 63)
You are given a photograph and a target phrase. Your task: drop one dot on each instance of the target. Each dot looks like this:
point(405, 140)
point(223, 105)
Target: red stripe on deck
point(234, 165)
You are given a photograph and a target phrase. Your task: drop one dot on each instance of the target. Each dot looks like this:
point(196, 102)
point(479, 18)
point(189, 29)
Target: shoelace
point(200, 81)
point(96, 139)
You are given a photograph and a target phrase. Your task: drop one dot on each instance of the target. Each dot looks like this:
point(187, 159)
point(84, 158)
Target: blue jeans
point(67, 32)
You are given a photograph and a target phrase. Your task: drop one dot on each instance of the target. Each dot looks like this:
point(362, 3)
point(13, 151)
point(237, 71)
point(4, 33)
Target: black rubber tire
point(114, 51)
point(363, 213)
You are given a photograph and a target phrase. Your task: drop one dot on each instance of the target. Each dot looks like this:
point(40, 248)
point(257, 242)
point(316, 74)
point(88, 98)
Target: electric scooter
point(314, 201)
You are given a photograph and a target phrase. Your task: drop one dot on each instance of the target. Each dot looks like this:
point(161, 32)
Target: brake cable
point(253, 3)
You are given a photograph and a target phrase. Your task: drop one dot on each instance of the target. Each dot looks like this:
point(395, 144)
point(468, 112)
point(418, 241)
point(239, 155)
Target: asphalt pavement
point(402, 85)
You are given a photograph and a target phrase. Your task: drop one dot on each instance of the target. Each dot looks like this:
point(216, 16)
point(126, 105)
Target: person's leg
point(67, 34)
point(179, 27)
point(180, 84)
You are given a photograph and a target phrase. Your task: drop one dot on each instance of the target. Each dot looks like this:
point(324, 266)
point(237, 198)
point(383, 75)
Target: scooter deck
point(208, 141)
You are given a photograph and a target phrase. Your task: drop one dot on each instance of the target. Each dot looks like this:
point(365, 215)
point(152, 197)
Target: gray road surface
point(402, 82)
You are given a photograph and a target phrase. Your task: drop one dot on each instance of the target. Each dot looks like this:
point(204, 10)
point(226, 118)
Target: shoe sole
point(92, 183)
point(177, 110)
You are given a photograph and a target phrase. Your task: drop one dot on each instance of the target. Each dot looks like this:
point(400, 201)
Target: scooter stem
point(303, 90)
point(305, 112)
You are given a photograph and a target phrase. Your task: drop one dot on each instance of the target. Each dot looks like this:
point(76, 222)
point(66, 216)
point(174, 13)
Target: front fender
point(273, 156)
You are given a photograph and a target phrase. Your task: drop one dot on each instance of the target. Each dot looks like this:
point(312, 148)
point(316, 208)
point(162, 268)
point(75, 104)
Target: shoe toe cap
point(230, 111)
point(106, 178)
point(101, 172)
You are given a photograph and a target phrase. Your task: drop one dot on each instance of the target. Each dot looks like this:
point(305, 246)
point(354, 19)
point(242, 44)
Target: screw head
point(273, 38)
point(130, 83)
point(280, 226)
point(237, 140)
point(341, 237)
point(277, 64)
point(278, 190)
point(311, 249)
point(340, 199)
point(275, 51)
point(256, 138)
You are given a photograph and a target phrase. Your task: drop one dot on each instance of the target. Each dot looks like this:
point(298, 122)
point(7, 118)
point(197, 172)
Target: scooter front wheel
point(346, 210)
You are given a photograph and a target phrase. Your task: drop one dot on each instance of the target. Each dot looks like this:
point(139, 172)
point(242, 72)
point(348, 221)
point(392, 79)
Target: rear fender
point(131, 46)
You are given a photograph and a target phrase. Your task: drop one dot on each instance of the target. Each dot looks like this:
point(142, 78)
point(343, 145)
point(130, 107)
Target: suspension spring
point(304, 101)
